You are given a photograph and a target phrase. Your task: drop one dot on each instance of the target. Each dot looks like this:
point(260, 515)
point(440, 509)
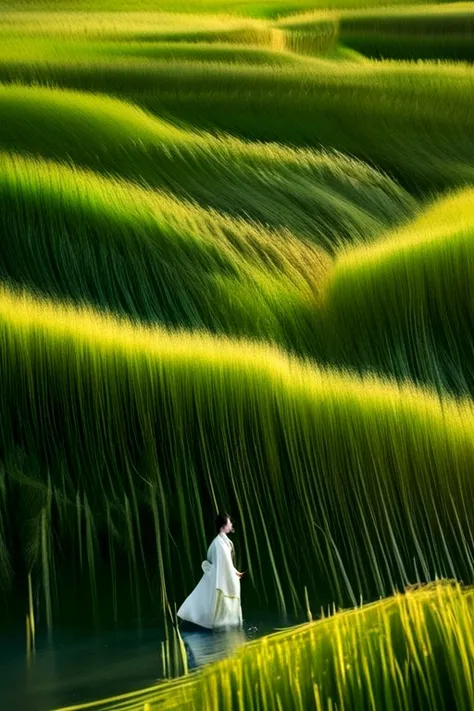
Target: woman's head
point(223, 523)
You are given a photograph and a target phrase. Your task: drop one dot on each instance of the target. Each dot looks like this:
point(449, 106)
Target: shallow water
point(76, 666)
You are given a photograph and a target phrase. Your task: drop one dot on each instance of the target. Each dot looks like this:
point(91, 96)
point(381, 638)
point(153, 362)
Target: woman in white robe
point(215, 601)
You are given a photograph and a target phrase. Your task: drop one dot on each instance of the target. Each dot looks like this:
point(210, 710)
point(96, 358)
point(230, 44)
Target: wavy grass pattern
point(422, 275)
point(235, 264)
point(280, 426)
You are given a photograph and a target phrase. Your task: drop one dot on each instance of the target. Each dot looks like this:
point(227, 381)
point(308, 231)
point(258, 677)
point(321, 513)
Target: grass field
point(236, 273)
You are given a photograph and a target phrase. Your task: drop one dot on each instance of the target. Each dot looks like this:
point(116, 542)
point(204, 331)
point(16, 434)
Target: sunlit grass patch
point(323, 197)
point(407, 302)
point(161, 427)
point(393, 114)
point(410, 651)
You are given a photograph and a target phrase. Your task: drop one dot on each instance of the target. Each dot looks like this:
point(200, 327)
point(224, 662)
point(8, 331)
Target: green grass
point(321, 197)
point(80, 236)
point(261, 8)
point(429, 32)
point(158, 428)
point(393, 114)
point(422, 277)
point(189, 201)
point(413, 651)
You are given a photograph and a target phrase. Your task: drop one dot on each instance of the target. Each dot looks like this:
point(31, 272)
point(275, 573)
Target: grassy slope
point(410, 652)
point(80, 236)
point(158, 428)
point(393, 114)
point(406, 304)
point(325, 198)
point(429, 32)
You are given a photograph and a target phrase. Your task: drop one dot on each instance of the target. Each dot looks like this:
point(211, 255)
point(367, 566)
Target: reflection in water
point(79, 666)
point(205, 646)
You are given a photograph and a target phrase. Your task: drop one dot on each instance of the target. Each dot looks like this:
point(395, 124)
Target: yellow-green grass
point(114, 435)
point(410, 119)
point(87, 238)
point(419, 32)
point(41, 48)
point(322, 197)
point(406, 305)
point(412, 651)
point(259, 9)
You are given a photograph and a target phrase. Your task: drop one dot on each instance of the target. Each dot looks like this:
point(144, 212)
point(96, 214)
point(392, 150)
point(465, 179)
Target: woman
point(215, 601)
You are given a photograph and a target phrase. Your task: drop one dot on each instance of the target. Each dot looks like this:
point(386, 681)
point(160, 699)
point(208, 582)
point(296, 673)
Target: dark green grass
point(326, 199)
point(412, 120)
point(434, 33)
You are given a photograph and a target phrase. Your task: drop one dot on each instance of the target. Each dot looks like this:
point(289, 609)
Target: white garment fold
point(215, 601)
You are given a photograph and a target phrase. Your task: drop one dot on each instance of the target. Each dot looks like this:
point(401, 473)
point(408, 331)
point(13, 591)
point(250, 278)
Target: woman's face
point(229, 528)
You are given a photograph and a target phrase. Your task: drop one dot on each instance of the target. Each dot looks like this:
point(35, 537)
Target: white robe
point(215, 601)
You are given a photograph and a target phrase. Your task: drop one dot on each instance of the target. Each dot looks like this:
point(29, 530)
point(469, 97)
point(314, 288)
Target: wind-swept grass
point(323, 197)
point(160, 428)
point(395, 115)
point(423, 32)
point(413, 651)
point(405, 305)
point(91, 239)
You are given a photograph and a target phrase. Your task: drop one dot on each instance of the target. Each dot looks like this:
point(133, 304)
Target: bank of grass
point(412, 651)
point(406, 304)
point(36, 49)
point(395, 115)
point(423, 32)
point(158, 428)
point(95, 240)
point(322, 197)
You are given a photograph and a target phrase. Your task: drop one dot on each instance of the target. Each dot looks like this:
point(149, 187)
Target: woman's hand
point(239, 575)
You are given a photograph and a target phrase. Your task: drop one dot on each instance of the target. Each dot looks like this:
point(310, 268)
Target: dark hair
point(221, 520)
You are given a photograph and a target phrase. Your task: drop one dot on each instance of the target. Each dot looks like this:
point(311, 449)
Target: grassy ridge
point(410, 652)
point(325, 198)
point(261, 8)
point(159, 428)
point(430, 32)
point(80, 236)
point(392, 114)
point(406, 304)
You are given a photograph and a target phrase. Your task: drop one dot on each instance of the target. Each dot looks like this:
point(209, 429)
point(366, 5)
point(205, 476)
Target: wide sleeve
point(227, 580)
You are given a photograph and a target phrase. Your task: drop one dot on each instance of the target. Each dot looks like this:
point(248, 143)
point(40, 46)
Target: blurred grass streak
point(405, 305)
point(395, 115)
point(160, 428)
point(253, 8)
point(324, 197)
point(413, 651)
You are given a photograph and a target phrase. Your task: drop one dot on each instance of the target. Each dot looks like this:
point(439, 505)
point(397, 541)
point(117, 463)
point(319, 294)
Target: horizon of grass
point(411, 651)
point(404, 305)
point(393, 115)
point(325, 198)
point(158, 427)
point(266, 9)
